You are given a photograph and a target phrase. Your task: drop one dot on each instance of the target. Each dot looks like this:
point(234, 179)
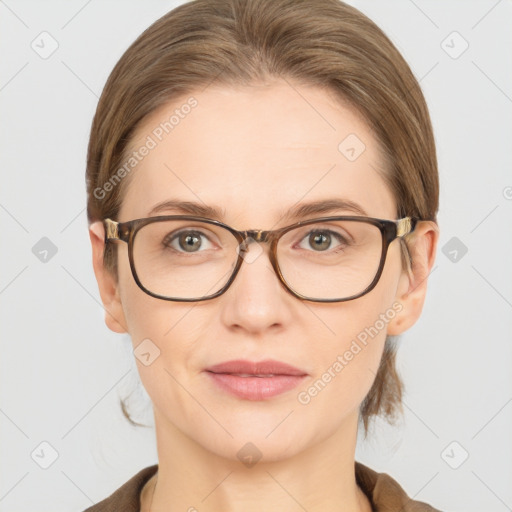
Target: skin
point(256, 151)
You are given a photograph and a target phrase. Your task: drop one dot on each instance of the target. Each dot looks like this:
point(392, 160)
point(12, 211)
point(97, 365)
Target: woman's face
point(254, 153)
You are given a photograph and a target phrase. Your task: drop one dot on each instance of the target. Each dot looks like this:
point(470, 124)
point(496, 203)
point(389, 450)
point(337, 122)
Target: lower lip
point(255, 388)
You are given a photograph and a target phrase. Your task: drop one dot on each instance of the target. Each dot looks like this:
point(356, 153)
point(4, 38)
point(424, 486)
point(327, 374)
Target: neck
point(189, 477)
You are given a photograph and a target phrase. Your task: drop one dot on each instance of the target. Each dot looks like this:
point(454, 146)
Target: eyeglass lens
point(193, 259)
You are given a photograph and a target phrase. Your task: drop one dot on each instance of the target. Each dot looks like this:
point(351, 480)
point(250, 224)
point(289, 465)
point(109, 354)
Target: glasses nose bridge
point(256, 235)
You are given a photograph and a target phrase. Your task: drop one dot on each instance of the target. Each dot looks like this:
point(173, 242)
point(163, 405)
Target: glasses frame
point(126, 232)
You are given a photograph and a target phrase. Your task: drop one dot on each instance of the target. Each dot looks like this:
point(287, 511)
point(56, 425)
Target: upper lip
point(266, 367)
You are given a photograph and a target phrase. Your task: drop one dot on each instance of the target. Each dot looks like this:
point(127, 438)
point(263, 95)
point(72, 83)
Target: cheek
point(349, 353)
point(145, 316)
point(164, 335)
point(162, 346)
point(348, 362)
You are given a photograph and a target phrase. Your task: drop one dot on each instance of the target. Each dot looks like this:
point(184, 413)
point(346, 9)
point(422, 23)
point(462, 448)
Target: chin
point(251, 450)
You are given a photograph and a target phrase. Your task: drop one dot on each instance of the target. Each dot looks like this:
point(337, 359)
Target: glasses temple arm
point(405, 226)
point(111, 230)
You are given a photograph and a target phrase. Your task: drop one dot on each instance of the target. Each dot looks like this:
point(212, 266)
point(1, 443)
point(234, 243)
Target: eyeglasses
point(187, 259)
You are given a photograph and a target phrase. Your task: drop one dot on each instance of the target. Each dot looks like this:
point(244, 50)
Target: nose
point(256, 300)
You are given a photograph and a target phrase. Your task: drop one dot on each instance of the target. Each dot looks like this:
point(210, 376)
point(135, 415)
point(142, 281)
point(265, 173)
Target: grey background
point(62, 370)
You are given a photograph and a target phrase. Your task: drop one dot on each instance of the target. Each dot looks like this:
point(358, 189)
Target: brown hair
point(323, 43)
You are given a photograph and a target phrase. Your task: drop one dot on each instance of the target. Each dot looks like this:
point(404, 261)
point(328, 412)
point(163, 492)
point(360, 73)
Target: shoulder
point(385, 493)
point(127, 497)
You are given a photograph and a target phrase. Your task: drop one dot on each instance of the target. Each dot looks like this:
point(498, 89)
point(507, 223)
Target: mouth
point(266, 368)
point(250, 375)
point(251, 380)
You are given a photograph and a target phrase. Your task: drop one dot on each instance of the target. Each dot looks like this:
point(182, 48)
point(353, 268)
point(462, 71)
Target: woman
point(262, 198)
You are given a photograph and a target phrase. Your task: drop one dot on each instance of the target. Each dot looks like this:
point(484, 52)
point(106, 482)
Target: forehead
point(253, 152)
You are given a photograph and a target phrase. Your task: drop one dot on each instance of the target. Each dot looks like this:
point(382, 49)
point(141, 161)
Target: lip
point(255, 380)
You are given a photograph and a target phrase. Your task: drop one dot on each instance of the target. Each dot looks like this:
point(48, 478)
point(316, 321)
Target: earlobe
point(412, 287)
point(108, 286)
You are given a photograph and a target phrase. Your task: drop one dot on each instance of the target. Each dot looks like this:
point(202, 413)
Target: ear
point(412, 286)
point(107, 284)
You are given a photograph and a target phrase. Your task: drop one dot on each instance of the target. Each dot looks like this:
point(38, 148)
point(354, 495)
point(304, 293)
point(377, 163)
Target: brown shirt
point(384, 493)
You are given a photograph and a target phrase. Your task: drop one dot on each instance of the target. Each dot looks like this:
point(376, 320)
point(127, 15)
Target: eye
point(187, 241)
point(322, 240)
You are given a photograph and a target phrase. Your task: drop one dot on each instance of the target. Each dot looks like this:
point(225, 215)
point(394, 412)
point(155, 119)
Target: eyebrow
point(295, 212)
